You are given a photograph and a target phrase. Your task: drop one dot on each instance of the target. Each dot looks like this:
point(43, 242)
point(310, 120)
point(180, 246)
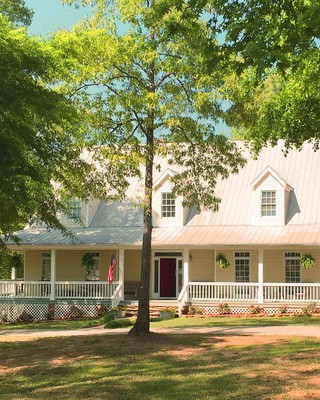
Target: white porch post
point(260, 277)
point(121, 272)
point(13, 273)
point(53, 275)
point(186, 269)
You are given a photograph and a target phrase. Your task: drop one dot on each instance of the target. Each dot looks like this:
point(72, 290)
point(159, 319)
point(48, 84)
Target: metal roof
point(121, 223)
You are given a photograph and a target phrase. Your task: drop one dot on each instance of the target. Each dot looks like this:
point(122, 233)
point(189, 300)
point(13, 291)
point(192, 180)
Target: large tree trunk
point(142, 324)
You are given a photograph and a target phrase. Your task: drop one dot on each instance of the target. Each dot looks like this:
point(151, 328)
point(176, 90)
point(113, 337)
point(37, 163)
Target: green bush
point(118, 323)
point(25, 316)
point(75, 312)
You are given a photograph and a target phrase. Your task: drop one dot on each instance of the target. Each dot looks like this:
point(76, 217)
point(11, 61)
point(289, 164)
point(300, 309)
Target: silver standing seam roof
point(122, 223)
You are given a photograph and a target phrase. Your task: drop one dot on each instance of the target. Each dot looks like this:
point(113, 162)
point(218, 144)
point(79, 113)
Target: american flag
point(113, 263)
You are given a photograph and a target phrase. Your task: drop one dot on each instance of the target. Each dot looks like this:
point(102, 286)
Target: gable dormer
point(81, 209)
point(167, 210)
point(271, 194)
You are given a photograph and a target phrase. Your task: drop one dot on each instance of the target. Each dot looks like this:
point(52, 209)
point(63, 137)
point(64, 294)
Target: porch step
point(132, 310)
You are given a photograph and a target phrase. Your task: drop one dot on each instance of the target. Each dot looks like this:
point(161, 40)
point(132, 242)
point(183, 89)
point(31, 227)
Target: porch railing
point(27, 290)
point(291, 292)
point(63, 290)
point(248, 292)
point(85, 290)
point(216, 291)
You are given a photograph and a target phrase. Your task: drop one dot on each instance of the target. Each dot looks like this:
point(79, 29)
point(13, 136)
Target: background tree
point(273, 83)
point(40, 131)
point(141, 83)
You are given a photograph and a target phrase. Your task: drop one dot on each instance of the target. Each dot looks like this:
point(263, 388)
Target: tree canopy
point(40, 131)
point(143, 87)
point(273, 83)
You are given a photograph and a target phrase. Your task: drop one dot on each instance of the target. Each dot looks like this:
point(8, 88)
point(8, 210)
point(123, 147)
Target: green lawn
point(161, 367)
point(177, 322)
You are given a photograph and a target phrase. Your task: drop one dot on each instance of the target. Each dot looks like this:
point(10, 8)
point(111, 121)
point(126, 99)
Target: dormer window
point(75, 209)
point(268, 203)
point(168, 208)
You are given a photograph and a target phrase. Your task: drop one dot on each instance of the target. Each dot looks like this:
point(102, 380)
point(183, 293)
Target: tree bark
point(142, 324)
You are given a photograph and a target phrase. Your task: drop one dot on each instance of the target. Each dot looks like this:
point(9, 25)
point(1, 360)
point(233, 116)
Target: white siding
point(158, 220)
point(269, 183)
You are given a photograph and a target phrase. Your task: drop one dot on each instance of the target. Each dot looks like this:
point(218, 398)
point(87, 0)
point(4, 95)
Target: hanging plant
point(87, 261)
point(307, 261)
point(221, 261)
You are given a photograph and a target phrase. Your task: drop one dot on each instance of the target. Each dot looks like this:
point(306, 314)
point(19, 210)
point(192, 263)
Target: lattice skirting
point(245, 310)
point(39, 312)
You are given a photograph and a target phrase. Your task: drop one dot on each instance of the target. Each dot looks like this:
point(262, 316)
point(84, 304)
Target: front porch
point(193, 292)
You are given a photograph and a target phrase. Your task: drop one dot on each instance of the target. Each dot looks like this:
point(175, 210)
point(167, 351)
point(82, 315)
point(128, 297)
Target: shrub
point(224, 309)
point(25, 316)
point(50, 314)
point(75, 312)
point(107, 318)
point(283, 309)
point(118, 323)
point(4, 317)
point(102, 310)
point(255, 309)
point(194, 310)
point(310, 309)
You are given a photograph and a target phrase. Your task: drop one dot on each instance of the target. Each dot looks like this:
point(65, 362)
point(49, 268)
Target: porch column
point(13, 273)
point(186, 269)
point(53, 275)
point(260, 277)
point(121, 272)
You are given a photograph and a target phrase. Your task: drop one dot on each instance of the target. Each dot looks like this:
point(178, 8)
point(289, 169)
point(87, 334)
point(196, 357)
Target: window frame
point(75, 210)
point(45, 271)
point(293, 256)
point(168, 205)
point(242, 255)
point(270, 207)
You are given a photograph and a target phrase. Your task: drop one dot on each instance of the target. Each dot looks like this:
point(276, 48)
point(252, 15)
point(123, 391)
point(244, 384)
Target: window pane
point(268, 204)
point(168, 206)
point(242, 266)
point(292, 266)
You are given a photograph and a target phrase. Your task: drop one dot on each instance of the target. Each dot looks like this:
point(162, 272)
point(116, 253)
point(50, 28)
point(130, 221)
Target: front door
point(167, 277)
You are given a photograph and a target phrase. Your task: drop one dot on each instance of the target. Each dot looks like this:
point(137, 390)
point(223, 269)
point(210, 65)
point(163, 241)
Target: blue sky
point(50, 15)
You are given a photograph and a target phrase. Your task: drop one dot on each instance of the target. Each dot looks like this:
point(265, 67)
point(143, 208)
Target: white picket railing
point(195, 291)
point(85, 290)
point(63, 290)
point(27, 290)
point(217, 291)
point(291, 292)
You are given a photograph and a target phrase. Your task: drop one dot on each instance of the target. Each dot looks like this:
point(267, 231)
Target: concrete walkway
point(25, 335)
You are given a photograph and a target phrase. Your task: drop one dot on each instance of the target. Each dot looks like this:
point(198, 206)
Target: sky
point(51, 15)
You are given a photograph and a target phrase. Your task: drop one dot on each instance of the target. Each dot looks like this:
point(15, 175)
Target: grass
point(176, 322)
point(161, 367)
point(238, 321)
point(57, 324)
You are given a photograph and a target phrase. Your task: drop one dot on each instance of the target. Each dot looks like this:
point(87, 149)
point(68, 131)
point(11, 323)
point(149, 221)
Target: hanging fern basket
point(221, 261)
point(307, 261)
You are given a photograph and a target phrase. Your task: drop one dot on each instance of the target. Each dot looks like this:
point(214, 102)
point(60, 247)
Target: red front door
point(167, 277)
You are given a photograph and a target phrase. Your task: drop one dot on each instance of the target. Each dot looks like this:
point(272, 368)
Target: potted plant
point(87, 261)
point(221, 261)
point(167, 312)
point(307, 261)
point(119, 311)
